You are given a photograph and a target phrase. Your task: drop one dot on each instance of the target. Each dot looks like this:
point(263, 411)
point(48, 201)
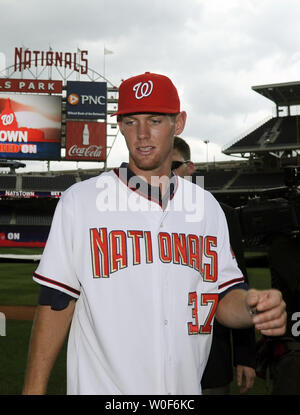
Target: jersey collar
point(152, 193)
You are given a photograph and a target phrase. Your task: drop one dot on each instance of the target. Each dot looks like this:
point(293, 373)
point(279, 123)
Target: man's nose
point(143, 130)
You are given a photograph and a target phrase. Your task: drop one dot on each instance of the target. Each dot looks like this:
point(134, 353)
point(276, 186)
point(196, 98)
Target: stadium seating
point(86, 176)
point(252, 139)
point(5, 215)
point(47, 183)
point(264, 180)
point(289, 131)
point(33, 220)
point(216, 179)
point(8, 182)
point(276, 132)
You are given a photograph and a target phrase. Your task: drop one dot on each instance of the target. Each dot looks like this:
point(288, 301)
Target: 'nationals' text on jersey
point(109, 251)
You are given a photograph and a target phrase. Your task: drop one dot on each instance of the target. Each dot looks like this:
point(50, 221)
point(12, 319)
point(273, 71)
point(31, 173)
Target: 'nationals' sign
point(27, 59)
point(30, 85)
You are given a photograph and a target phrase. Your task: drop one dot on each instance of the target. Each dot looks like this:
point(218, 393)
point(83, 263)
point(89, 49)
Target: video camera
point(265, 216)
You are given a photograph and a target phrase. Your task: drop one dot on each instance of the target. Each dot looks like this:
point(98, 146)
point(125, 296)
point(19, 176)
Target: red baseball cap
point(149, 92)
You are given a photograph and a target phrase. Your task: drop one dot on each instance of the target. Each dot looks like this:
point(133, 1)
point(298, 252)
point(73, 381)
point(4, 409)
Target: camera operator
point(284, 260)
point(274, 223)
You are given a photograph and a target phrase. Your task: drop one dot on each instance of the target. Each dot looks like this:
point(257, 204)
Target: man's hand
point(245, 376)
point(268, 311)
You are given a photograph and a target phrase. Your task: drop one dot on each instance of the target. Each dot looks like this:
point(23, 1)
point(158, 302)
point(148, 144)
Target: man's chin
point(147, 165)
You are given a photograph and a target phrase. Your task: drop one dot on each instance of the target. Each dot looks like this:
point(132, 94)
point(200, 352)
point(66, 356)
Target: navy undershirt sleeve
point(241, 286)
point(58, 300)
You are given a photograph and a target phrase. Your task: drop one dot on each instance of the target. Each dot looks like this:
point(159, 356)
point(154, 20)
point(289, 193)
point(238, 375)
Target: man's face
point(149, 138)
point(186, 168)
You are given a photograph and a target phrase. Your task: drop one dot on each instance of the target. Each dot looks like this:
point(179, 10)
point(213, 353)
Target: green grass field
point(14, 348)
point(18, 288)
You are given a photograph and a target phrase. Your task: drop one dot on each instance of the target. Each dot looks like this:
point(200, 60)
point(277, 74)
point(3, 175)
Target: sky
point(213, 50)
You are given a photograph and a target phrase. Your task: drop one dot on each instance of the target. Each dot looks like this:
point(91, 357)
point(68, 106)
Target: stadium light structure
point(206, 142)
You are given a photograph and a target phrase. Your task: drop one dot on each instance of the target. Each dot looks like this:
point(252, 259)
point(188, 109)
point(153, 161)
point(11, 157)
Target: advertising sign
point(86, 100)
point(23, 236)
point(30, 127)
point(85, 141)
point(30, 85)
point(25, 194)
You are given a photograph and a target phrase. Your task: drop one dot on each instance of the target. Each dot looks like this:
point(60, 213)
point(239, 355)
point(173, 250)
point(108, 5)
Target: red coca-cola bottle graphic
point(8, 119)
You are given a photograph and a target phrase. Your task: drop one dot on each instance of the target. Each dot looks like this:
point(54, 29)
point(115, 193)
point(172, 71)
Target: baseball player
point(138, 261)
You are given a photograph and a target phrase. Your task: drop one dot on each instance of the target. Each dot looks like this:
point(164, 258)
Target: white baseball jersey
point(146, 274)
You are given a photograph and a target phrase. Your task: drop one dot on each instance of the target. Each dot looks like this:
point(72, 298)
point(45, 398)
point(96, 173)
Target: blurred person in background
point(230, 347)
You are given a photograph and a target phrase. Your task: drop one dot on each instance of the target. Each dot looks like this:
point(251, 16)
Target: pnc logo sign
point(86, 100)
point(73, 99)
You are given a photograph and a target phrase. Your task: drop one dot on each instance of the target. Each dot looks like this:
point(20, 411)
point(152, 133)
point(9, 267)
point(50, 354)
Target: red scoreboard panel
point(30, 126)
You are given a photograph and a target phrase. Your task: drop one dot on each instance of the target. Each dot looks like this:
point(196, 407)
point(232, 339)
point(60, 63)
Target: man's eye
point(128, 122)
point(156, 121)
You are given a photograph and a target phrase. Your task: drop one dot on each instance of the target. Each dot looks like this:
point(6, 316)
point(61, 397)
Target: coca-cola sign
point(85, 141)
point(85, 152)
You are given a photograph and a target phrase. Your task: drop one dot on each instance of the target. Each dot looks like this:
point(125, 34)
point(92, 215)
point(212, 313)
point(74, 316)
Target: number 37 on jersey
point(195, 301)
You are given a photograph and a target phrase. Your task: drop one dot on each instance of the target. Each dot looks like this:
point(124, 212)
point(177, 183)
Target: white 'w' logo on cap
point(143, 89)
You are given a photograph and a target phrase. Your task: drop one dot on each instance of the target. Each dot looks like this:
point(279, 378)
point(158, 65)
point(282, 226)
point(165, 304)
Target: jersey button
point(166, 322)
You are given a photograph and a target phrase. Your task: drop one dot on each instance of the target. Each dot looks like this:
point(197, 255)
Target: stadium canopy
point(277, 134)
point(284, 94)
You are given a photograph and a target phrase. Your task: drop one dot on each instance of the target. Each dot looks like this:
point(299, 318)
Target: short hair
point(182, 147)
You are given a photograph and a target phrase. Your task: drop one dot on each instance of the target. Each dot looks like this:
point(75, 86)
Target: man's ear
point(180, 122)
point(191, 168)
